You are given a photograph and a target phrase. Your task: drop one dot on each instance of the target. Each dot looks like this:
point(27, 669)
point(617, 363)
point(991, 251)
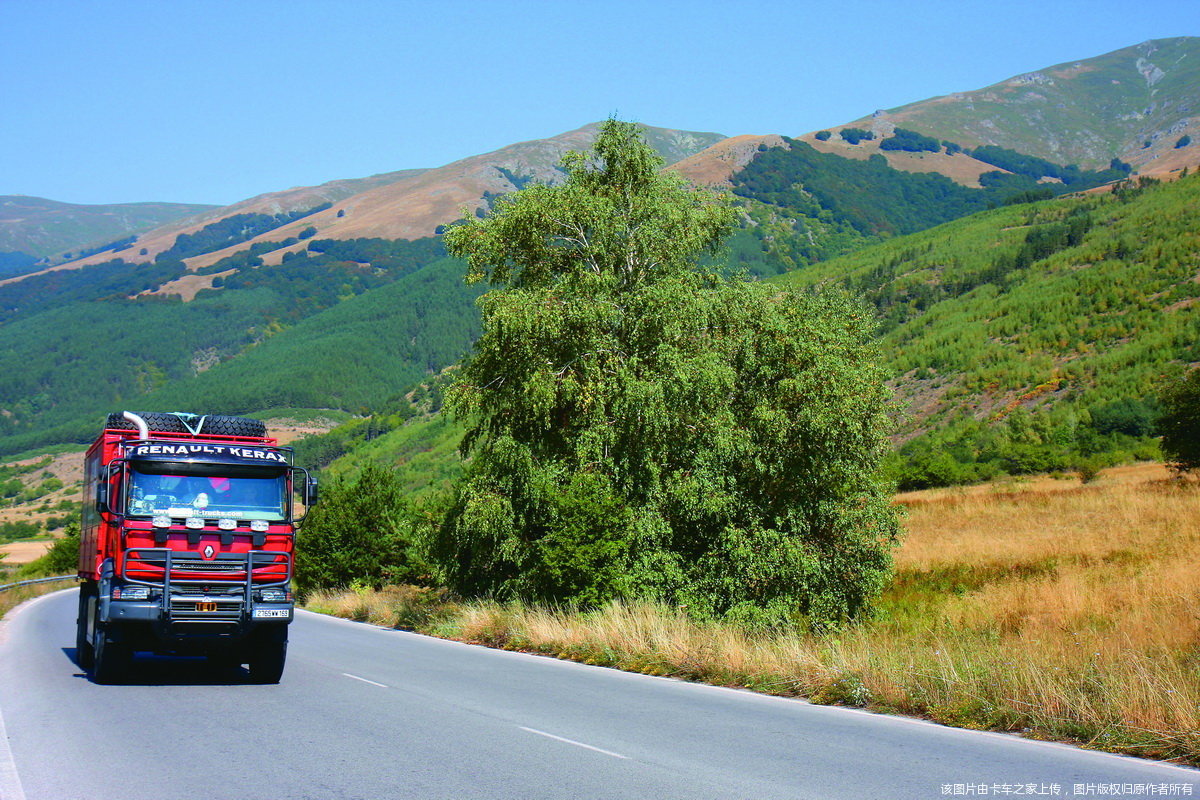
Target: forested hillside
point(328, 331)
point(1031, 337)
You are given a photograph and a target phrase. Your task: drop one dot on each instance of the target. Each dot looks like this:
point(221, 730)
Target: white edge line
point(572, 741)
point(364, 680)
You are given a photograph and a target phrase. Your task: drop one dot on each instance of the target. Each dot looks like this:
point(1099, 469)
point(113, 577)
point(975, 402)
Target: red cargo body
point(186, 546)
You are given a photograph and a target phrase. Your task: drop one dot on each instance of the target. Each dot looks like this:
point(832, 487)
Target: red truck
point(186, 543)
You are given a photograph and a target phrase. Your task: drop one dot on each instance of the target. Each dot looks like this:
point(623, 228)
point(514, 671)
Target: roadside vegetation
point(1051, 608)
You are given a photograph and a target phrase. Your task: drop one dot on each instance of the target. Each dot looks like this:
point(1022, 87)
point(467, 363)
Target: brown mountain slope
point(406, 205)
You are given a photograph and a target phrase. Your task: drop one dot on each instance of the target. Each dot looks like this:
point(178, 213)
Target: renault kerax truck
point(187, 542)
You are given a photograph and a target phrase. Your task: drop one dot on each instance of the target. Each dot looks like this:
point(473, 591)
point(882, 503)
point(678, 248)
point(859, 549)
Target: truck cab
point(187, 543)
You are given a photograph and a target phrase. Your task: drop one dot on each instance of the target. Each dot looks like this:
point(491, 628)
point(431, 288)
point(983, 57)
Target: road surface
point(364, 712)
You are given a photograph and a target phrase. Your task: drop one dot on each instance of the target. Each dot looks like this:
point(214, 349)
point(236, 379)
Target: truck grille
point(200, 565)
point(149, 564)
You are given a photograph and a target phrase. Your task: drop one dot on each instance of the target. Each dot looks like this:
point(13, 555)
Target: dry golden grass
point(1063, 611)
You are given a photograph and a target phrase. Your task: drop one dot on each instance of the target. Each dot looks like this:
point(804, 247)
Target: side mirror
point(102, 496)
point(310, 493)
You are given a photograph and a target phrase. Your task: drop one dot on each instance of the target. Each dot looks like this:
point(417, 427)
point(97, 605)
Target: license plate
point(203, 606)
point(271, 612)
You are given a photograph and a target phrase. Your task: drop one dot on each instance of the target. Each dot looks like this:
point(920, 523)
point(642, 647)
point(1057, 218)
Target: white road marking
point(572, 741)
point(364, 680)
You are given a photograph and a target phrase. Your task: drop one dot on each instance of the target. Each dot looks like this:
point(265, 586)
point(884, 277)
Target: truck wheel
point(84, 654)
point(266, 661)
point(111, 659)
point(234, 426)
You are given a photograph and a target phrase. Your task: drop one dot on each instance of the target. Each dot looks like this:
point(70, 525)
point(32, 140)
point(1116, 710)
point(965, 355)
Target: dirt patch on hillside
point(716, 165)
point(24, 552)
point(289, 430)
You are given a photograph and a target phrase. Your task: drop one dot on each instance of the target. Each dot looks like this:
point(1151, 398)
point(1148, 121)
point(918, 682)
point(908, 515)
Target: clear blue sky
point(216, 101)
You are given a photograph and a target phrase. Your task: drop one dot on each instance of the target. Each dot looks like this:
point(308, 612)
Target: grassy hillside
point(41, 227)
point(1134, 103)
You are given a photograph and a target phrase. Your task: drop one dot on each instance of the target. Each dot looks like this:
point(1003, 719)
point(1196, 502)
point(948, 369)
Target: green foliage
point(1072, 177)
point(13, 530)
point(359, 533)
point(823, 136)
point(230, 230)
point(1183, 141)
point(870, 195)
point(61, 559)
point(1180, 421)
point(112, 280)
point(1073, 309)
point(855, 135)
point(910, 141)
point(643, 428)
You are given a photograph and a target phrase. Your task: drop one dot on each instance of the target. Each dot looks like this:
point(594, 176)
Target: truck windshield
point(255, 496)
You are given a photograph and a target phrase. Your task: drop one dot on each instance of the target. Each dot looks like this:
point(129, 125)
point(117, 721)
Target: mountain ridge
point(1133, 103)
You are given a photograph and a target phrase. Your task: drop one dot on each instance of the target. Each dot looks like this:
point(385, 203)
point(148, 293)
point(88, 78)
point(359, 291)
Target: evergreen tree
point(643, 428)
point(1180, 422)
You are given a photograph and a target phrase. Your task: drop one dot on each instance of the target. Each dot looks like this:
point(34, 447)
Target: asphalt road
point(369, 713)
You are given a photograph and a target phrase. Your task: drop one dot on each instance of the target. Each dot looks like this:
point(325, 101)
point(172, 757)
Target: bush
point(910, 141)
point(360, 531)
point(1180, 422)
point(823, 136)
point(61, 559)
point(855, 135)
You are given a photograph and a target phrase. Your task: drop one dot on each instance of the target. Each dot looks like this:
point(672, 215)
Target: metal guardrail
point(37, 580)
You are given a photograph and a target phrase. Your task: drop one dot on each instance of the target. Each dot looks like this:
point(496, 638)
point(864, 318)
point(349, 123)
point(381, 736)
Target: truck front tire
point(111, 659)
point(84, 654)
point(267, 653)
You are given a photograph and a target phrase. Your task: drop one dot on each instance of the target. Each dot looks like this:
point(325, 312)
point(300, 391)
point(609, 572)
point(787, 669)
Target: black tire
point(155, 421)
point(84, 654)
point(111, 659)
point(166, 422)
point(234, 426)
point(266, 661)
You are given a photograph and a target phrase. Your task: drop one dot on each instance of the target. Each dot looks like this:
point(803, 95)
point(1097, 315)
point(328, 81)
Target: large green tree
point(1180, 422)
point(640, 427)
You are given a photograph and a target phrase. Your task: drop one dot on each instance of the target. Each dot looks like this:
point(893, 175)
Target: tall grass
point(1062, 611)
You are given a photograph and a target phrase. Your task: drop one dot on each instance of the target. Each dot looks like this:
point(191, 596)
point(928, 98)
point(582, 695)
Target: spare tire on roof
point(167, 422)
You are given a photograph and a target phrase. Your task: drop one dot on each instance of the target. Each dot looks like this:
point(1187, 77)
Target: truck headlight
point(274, 596)
point(258, 525)
point(131, 593)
